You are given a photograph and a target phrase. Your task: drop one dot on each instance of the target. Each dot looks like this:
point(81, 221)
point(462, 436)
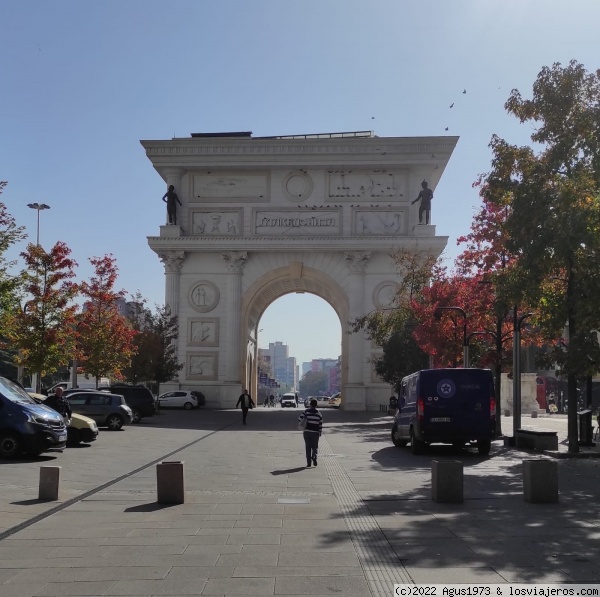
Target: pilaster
point(172, 260)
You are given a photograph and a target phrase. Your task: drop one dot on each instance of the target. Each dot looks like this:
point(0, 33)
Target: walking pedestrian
point(245, 401)
point(312, 432)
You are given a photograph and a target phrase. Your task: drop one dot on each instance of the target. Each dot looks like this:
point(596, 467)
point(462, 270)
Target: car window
point(98, 400)
point(77, 399)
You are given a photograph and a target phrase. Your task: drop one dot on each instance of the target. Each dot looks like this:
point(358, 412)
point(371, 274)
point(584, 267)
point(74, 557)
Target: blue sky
point(83, 82)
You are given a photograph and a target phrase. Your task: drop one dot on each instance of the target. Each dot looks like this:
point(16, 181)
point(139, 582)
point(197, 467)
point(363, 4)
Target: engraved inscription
point(297, 222)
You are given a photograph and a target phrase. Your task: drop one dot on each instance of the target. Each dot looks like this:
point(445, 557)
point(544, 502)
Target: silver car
point(108, 410)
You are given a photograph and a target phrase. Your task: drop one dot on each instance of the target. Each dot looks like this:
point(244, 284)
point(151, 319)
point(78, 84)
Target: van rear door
point(457, 404)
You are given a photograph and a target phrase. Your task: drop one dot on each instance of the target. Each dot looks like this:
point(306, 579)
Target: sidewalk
point(256, 522)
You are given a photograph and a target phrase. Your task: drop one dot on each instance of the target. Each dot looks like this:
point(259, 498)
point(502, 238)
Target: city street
point(256, 522)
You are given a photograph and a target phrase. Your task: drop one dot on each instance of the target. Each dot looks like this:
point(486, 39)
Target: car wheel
point(417, 446)
point(10, 445)
point(398, 442)
point(114, 422)
point(136, 415)
point(483, 446)
point(73, 436)
point(188, 406)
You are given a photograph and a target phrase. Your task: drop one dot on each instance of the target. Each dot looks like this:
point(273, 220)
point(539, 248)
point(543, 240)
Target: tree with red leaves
point(105, 337)
point(42, 330)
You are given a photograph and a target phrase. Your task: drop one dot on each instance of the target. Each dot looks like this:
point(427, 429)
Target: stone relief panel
point(298, 185)
point(202, 365)
point(371, 185)
point(216, 223)
point(384, 294)
point(317, 222)
point(371, 222)
point(204, 296)
point(203, 332)
point(231, 186)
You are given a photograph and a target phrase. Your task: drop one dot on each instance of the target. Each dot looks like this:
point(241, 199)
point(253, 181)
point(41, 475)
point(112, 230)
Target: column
point(235, 260)
point(357, 263)
point(172, 261)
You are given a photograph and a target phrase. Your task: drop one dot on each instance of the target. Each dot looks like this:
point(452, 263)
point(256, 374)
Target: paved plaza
point(256, 522)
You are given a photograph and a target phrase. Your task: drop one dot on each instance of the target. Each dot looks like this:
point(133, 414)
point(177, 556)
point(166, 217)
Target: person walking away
point(59, 403)
point(245, 401)
point(312, 432)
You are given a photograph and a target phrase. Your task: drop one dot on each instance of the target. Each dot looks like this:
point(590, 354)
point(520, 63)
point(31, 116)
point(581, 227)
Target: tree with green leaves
point(105, 336)
point(314, 383)
point(42, 329)
point(155, 358)
point(551, 192)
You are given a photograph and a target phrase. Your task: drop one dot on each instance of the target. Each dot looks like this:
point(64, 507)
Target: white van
point(288, 399)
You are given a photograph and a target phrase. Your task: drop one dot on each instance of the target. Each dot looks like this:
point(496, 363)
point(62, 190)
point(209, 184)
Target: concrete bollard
point(170, 483)
point(447, 481)
point(49, 478)
point(540, 481)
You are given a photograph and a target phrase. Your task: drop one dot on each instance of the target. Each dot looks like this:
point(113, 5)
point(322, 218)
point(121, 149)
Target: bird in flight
point(464, 91)
point(452, 105)
point(446, 129)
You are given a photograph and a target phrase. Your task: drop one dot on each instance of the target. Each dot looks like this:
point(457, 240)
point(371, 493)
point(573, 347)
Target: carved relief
point(380, 222)
point(204, 296)
point(298, 185)
point(202, 365)
point(216, 223)
point(203, 332)
point(357, 261)
point(305, 222)
point(384, 294)
point(377, 184)
point(230, 186)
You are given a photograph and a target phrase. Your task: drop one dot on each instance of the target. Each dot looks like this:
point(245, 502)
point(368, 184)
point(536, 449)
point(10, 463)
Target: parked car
point(108, 410)
point(322, 401)
point(336, 400)
point(26, 426)
point(181, 399)
point(138, 398)
point(79, 427)
point(288, 399)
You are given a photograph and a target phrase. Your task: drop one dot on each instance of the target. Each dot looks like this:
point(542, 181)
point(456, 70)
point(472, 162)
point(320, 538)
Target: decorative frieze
point(226, 222)
point(368, 184)
point(203, 331)
point(202, 365)
point(230, 186)
point(369, 222)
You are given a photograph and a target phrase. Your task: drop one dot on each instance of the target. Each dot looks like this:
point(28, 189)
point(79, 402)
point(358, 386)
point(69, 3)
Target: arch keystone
point(296, 269)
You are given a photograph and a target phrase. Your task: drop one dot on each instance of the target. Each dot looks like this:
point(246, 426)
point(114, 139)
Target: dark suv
point(139, 399)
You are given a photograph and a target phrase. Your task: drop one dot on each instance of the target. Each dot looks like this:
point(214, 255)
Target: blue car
point(25, 426)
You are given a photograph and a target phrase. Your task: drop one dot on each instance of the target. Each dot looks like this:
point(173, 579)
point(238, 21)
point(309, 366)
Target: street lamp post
point(465, 337)
point(517, 322)
point(38, 207)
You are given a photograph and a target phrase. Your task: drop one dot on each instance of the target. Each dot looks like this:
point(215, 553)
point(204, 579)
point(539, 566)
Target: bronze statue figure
point(171, 199)
point(426, 195)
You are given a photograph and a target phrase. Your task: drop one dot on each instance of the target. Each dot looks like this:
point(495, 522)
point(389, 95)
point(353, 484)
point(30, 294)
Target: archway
point(277, 283)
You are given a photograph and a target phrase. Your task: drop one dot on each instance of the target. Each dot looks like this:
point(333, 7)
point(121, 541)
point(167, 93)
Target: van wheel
point(483, 446)
point(73, 437)
point(188, 406)
point(417, 446)
point(136, 415)
point(10, 445)
point(114, 422)
point(398, 442)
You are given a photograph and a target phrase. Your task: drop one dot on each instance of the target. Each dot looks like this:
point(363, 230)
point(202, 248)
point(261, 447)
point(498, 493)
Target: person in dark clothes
point(246, 403)
point(59, 403)
point(312, 432)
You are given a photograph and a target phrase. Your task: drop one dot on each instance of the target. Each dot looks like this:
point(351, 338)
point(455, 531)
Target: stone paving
point(256, 522)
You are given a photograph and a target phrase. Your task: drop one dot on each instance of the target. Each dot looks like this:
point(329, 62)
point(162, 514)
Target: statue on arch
point(171, 199)
point(425, 195)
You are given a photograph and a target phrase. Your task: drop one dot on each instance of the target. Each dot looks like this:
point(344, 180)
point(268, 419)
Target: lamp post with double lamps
point(438, 315)
point(38, 207)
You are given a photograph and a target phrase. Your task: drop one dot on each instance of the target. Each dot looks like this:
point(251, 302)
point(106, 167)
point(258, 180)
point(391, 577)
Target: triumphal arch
point(261, 217)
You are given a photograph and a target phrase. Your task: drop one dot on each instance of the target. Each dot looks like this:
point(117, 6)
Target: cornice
point(305, 244)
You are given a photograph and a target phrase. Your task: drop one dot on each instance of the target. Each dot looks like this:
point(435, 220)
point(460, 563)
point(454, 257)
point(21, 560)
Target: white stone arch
point(272, 285)
point(263, 217)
